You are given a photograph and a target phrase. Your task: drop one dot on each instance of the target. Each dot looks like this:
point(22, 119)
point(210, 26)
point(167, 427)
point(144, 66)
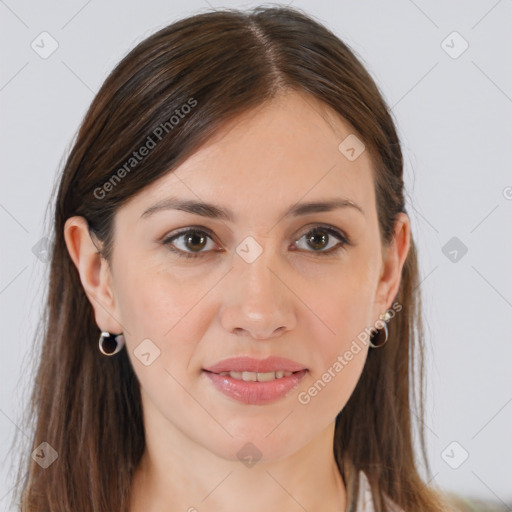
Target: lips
point(250, 364)
point(255, 393)
point(251, 381)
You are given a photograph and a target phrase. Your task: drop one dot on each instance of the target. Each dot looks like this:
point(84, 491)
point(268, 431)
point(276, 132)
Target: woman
point(234, 297)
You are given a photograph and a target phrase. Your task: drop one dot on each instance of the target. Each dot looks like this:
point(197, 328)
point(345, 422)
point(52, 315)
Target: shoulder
point(365, 500)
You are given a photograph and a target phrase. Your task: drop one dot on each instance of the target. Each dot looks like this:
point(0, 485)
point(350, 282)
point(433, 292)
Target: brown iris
point(195, 238)
point(319, 239)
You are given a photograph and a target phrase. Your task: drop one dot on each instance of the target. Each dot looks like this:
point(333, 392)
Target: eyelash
point(344, 240)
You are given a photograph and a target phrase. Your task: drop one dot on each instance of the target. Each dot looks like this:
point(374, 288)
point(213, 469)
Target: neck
point(175, 473)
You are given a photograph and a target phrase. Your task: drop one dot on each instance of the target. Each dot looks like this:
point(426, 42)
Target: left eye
point(321, 238)
point(190, 243)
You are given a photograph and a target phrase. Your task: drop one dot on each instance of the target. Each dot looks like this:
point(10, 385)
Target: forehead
point(278, 154)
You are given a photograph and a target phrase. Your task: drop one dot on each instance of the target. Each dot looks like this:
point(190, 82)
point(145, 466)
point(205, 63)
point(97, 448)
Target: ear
point(94, 273)
point(394, 257)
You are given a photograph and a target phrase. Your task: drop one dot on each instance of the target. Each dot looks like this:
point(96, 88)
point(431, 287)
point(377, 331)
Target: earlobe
point(93, 271)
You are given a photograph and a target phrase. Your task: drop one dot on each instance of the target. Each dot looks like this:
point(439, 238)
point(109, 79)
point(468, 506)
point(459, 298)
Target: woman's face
point(258, 281)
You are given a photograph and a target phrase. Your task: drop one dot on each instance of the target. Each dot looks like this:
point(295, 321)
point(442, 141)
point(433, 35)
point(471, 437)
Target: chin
point(261, 442)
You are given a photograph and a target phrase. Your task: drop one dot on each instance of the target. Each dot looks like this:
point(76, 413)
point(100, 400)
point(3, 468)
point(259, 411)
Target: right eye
point(191, 242)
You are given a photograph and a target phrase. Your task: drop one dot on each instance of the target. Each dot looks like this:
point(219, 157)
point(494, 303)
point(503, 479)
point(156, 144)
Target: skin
point(291, 303)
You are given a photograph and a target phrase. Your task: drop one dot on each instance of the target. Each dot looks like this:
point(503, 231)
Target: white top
point(365, 501)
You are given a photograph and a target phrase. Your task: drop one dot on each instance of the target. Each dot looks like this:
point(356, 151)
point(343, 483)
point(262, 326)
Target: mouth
point(255, 381)
point(247, 376)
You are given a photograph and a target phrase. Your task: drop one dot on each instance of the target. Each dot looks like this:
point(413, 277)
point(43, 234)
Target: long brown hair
point(221, 63)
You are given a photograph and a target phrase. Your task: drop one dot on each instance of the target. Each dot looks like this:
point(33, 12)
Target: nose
point(256, 301)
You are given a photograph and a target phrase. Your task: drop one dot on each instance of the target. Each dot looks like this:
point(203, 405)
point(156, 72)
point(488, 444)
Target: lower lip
point(255, 393)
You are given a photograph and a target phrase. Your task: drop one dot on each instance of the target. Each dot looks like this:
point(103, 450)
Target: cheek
point(150, 295)
point(326, 393)
point(338, 355)
point(157, 305)
point(343, 307)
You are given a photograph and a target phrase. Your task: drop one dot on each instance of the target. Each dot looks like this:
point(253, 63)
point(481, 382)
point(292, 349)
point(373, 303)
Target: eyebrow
point(217, 212)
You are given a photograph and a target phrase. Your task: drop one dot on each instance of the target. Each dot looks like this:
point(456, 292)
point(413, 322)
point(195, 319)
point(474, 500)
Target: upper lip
point(250, 364)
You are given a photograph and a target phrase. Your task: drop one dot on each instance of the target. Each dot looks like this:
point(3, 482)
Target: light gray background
point(453, 116)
